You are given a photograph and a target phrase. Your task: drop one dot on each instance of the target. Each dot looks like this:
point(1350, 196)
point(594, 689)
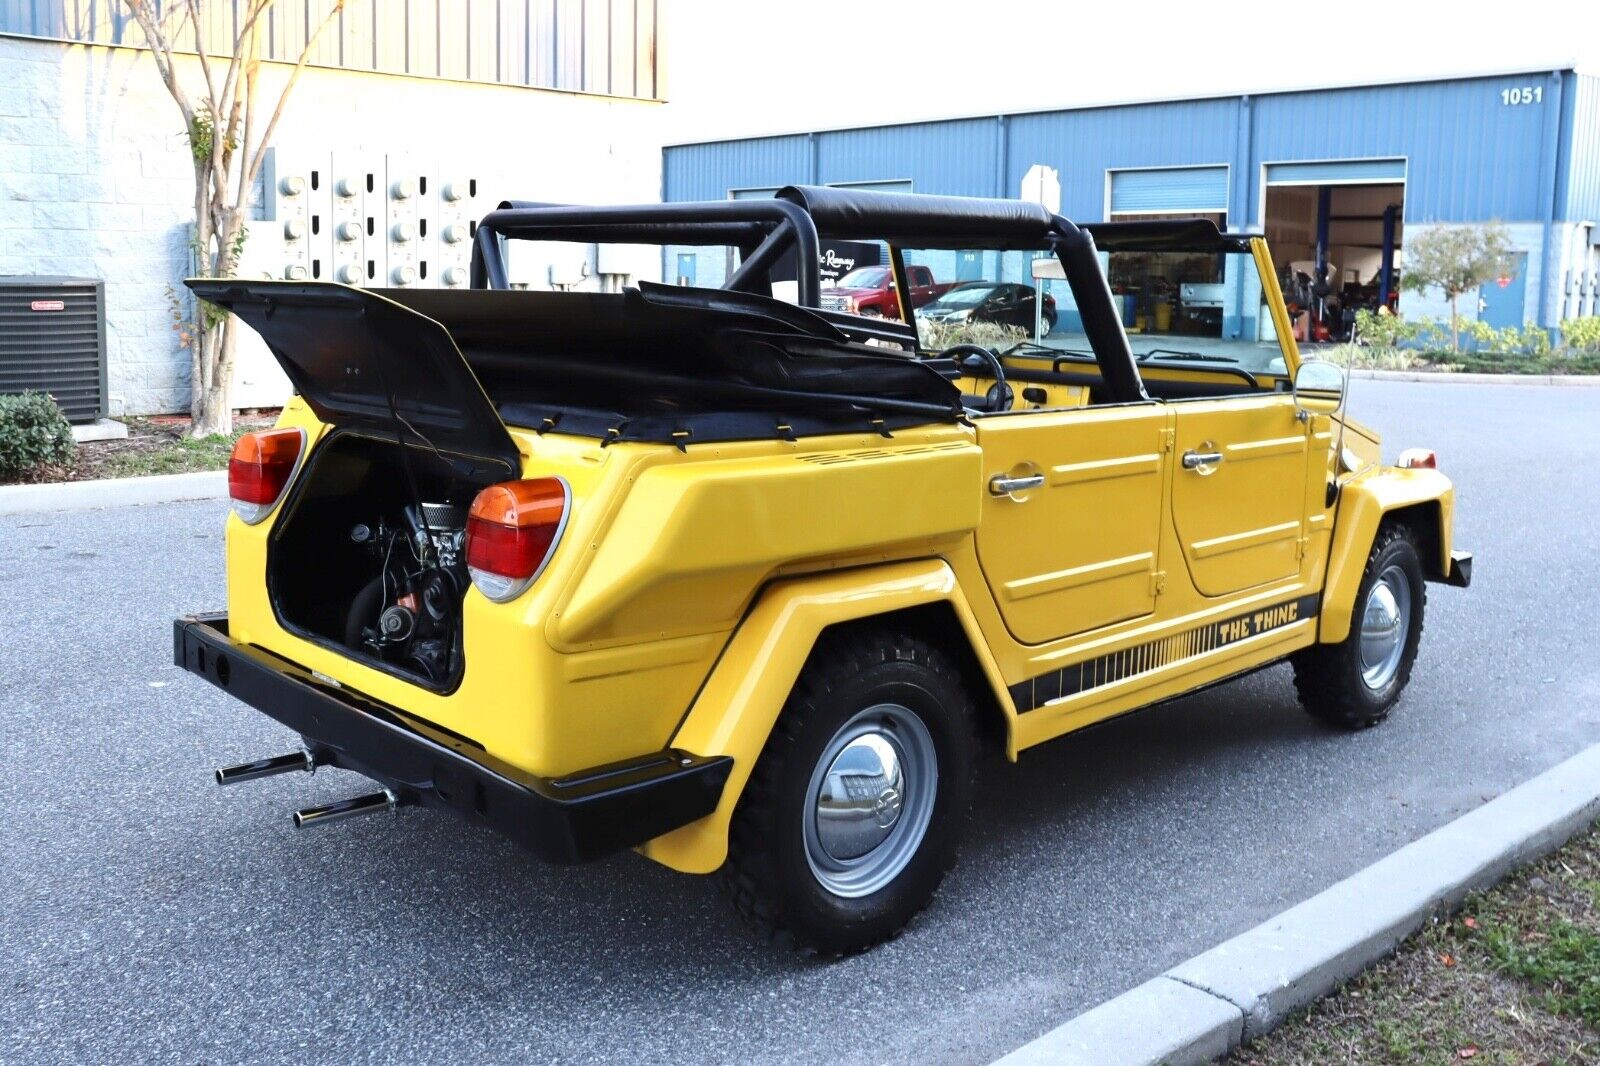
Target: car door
point(1239, 490)
point(921, 279)
point(1000, 306)
point(1021, 307)
point(1069, 536)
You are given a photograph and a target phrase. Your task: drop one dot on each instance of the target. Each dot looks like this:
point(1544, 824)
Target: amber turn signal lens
point(511, 531)
point(260, 469)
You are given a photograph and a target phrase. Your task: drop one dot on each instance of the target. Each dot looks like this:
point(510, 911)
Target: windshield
point(1183, 306)
point(864, 278)
point(965, 296)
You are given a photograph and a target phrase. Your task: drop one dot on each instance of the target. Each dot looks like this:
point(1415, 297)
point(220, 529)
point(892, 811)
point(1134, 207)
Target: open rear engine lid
point(360, 359)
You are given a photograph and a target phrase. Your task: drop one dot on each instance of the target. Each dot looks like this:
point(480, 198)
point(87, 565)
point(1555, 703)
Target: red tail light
point(260, 469)
point(511, 530)
point(1418, 459)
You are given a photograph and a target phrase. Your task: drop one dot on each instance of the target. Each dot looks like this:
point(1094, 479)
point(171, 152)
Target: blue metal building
point(1343, 172)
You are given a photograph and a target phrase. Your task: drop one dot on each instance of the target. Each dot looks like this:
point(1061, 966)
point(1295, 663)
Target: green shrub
point(1531, 339)
point(1382, 332)
point(1581, 334)
point(33, 434)
point(1363, 357)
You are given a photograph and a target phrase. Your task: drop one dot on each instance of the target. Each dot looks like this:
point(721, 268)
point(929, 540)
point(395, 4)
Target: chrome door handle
point(1000, 485)
point(1195, 460)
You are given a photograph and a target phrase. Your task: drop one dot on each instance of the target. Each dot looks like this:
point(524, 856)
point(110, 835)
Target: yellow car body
point(1078, 561)
point(1138, 579)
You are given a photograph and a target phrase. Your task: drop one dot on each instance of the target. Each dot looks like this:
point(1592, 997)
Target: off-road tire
point(767, 876)
point(1328, 677)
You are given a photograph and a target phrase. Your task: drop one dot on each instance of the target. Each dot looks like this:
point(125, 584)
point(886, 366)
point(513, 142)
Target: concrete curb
point(1203, 1008)
point(113, 492)
point(1566, 380)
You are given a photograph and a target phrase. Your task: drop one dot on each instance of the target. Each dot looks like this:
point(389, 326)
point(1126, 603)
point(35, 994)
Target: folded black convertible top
point(658, 363)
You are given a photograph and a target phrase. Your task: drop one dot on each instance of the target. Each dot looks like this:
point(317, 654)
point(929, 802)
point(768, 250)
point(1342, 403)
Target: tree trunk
point(211, 406)
point(1455, 326)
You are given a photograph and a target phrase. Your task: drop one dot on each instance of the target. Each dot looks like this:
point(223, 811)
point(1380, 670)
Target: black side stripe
point(1153, 655)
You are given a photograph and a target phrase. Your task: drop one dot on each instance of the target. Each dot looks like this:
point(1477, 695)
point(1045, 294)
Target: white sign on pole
point(1042, 185)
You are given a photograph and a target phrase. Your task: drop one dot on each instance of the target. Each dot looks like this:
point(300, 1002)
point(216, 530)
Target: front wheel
point(1353, 684)
point(854, 810)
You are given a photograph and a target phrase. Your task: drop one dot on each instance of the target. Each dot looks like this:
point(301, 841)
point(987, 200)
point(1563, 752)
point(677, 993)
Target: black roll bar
point(743, 223)
point(765, 229)
point(1091, 290)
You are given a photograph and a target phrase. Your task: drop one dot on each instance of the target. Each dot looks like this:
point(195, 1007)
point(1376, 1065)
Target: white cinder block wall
point(95, 176)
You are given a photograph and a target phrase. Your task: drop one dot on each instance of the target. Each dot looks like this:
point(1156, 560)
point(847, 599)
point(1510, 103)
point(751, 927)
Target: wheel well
point(937, 625)
point(1422, 522)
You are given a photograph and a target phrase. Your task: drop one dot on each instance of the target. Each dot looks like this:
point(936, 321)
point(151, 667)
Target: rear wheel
point(854, 810)
point(1353, 684)
point(1049, 321)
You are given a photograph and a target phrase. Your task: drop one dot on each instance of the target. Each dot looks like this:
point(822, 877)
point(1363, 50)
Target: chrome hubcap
point(1385, 622)
point(870, 800)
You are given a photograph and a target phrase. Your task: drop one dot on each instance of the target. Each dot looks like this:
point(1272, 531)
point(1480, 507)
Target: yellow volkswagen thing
point(747, 584)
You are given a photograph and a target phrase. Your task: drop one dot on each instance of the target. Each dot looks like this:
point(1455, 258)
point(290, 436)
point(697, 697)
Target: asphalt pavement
point(147, 914)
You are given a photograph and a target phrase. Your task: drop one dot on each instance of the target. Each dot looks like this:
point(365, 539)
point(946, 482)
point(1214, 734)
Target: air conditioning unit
point(53, 339)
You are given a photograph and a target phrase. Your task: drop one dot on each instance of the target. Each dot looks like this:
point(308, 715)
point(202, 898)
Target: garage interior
point(1336, 248)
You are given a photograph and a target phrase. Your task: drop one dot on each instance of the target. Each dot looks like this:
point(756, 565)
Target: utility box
point(53, 339)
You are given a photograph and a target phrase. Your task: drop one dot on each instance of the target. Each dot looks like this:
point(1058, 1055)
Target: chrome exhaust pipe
point(278, 764)
point(350, 808)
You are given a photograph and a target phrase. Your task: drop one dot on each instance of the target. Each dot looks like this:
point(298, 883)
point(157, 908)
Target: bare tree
point(228, 142)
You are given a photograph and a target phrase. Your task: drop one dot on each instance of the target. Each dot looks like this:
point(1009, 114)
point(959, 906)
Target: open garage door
point(1169, 290)
point(1335, 228)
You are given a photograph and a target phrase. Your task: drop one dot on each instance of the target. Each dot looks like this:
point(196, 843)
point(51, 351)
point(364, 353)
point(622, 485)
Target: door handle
point(1000, 485)
point(1196, 460)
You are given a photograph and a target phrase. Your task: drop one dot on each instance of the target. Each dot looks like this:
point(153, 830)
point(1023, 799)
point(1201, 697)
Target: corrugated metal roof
point(1568, 65)
point(1582, 186)
point(1471, 150)
point(606, 47)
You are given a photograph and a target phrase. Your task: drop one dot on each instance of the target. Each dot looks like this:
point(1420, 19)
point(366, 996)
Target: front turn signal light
point(512, 529)
point(1418, 459)
point(262, 466)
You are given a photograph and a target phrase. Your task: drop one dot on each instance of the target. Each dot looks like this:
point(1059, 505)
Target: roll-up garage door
point(1339, 172)
point(1171, 190)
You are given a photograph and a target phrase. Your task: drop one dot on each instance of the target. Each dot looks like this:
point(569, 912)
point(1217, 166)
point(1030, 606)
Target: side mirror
point(1319, 388)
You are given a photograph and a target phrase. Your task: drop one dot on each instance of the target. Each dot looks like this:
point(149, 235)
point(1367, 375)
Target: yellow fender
point(736, 710)
point(1364, 501)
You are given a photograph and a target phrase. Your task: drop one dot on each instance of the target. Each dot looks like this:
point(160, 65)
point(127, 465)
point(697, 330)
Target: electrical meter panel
point(455, 226)
point(403, 264)
point(356, 247)
point(368, 218)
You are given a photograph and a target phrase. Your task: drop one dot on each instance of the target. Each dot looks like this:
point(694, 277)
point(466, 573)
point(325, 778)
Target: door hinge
point(1158, 582)
point(1168, 439)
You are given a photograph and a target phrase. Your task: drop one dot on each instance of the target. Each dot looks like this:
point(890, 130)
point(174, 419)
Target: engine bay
point(408, 615)
point(371, 556)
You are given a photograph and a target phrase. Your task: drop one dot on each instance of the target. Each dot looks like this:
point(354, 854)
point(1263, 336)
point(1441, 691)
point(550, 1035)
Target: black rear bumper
point(566, 819)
